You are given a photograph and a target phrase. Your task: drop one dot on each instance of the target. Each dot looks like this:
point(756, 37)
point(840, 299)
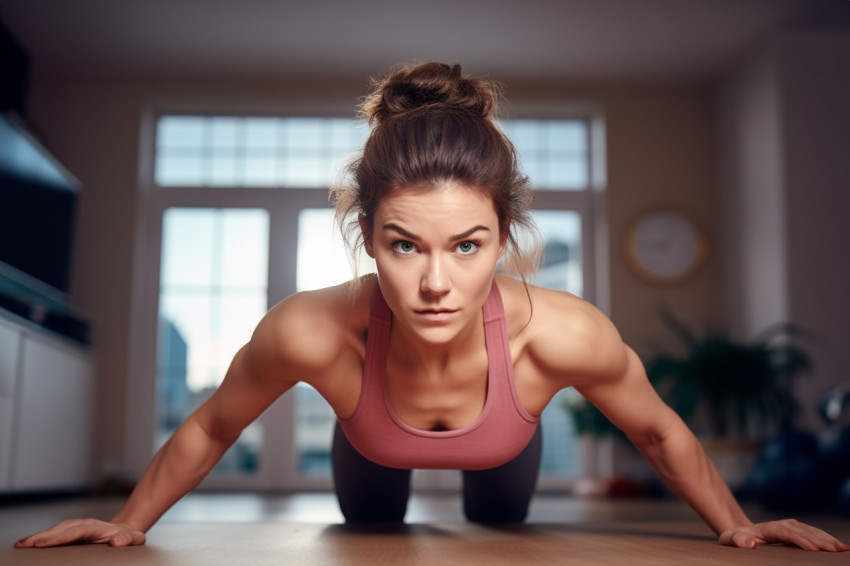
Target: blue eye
point(466, 248)
point(404, 247)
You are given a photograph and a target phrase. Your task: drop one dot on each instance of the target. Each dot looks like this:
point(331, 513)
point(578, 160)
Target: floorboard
point(244, 529)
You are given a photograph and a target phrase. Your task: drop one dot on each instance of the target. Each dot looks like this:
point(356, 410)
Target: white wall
point(816, 110)
point(752, 195)
point(785, 136)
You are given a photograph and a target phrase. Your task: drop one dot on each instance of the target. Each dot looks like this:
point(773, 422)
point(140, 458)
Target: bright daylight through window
point(214, 260)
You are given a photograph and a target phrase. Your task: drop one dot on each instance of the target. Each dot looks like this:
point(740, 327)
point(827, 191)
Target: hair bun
point(434, 85)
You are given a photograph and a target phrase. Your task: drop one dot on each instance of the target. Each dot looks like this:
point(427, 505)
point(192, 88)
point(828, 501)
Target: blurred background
point(164, 181)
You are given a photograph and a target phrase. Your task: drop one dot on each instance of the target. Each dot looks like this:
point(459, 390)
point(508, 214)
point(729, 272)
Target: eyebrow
point(412, 236)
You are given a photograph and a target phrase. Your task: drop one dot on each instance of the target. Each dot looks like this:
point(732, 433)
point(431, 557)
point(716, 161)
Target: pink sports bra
point(502, 430)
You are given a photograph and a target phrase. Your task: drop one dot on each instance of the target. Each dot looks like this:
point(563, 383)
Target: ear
point(367, 235)
point(503, 237)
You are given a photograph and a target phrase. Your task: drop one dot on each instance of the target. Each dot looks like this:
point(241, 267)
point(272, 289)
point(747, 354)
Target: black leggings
point(371, 493)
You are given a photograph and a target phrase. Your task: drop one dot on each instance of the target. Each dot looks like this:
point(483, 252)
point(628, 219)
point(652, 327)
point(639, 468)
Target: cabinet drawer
point(55, 418)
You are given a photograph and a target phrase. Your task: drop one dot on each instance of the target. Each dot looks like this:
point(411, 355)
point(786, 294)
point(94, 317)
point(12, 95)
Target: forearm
point(684, 466)
point(178, 467)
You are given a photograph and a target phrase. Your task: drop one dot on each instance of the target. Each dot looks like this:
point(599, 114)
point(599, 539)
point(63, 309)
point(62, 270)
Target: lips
point(436, 315)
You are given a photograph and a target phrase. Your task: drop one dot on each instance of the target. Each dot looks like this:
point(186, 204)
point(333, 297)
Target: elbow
point(658, 433)
point(215, 430)
point(221, 434)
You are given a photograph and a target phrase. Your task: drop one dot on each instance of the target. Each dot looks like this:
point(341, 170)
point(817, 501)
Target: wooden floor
point(306, 529)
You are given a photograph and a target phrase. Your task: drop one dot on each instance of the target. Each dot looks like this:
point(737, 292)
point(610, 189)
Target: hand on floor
point(788, 531)
point(84, 531)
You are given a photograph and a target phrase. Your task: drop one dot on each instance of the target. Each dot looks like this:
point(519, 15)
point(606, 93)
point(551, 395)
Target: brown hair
point(432, 124)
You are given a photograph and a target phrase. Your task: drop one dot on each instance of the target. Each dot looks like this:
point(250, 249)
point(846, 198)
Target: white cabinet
point(10, 341)
point(46, 411)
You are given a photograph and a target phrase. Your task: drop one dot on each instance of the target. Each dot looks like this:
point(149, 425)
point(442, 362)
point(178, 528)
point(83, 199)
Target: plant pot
point(733, 457)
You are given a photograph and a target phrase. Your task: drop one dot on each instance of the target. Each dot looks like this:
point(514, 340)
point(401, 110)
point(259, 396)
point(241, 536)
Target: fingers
point(739, 539)
point(85, 531)
point(788, 531)
point(806, 536)
point(127, 538)
point(43, 538)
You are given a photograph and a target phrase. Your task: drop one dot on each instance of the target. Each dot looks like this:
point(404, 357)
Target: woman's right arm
point(251, 384)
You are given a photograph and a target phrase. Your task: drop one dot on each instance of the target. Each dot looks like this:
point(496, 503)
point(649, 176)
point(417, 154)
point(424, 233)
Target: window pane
point(187, 251)
point(562, 262)
point(224, 171)
point(304, 170)
point(360, 132)
point(314, 424)
point(179, 170)
point(553, 153)
point(213, 293)
point(260, 134)
point(231, 151)
point(305, 134)
point(569, 136)
point(308, 152)
point(561, 269)
point(568, 173)
point(225, 134)
point(526, 136)
point(561, 451)
point(535, 169)
point(191, 313)
point(343, 137)
point(260, 171)
point(180, 132)
point(245, 243)
point(323, 260)
point(238, 315)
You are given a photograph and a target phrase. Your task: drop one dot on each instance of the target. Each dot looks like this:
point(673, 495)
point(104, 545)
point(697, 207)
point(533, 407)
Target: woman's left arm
point(623, 393)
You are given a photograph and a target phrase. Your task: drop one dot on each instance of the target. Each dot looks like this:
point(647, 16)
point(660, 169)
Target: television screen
point(37, 200)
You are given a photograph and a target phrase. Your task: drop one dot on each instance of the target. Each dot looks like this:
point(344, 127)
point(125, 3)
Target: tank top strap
point(498, 349)
point(379, 309)
point(493, 308)
point(377, 347)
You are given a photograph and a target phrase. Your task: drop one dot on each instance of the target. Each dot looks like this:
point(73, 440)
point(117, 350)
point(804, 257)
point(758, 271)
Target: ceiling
point(529, 39)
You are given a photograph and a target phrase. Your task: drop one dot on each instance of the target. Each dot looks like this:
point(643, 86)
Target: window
point(212, 294)
point(231, 151)
point(231, 247)
point(554, 153)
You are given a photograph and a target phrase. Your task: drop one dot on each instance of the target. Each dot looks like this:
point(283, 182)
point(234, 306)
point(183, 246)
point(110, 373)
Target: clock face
point(664, 247)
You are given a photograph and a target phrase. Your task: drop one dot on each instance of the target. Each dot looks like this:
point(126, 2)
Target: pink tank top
point(502, 430)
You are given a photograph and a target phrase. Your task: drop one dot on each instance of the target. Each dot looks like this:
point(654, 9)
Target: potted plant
point(735, 393)
point(742, 387)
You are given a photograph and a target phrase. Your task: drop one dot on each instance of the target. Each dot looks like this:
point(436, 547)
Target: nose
point(435, 280)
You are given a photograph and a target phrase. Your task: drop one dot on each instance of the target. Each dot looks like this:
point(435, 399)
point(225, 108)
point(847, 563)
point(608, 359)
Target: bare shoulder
point(307, 332)
point(565, 337)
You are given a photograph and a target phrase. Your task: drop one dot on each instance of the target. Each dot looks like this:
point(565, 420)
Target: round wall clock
point(664, 247)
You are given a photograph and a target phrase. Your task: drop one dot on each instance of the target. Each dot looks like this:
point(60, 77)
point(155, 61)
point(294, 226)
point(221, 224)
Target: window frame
point(277, 472)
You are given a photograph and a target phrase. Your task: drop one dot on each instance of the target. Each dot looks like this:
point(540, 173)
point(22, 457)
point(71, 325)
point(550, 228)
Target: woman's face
point(436, 251)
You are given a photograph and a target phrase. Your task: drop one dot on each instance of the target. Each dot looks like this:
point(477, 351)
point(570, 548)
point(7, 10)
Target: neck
point(411, 351)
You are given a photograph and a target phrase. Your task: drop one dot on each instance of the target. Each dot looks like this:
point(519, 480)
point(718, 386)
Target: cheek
point(393, 279)
point(484, 284)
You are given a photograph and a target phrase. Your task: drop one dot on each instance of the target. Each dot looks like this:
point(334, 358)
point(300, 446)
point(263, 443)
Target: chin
point(433, 334)
point(438, 335)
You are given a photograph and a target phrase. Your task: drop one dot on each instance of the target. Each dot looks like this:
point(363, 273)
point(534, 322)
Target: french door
point(212, 260)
